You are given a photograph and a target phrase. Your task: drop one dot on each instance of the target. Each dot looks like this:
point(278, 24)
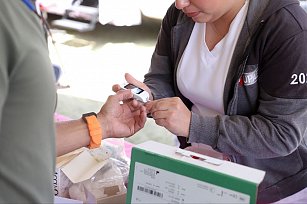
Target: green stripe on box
point(188, 170)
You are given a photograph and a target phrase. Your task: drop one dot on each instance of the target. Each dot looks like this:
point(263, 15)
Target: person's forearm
point(71, 135)
point(74, 134)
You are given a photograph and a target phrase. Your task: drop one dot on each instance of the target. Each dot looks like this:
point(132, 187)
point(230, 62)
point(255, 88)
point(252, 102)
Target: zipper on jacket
point(249, 48)
point(231, 107)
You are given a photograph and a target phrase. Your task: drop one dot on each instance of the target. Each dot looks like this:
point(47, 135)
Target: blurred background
point(95, 43)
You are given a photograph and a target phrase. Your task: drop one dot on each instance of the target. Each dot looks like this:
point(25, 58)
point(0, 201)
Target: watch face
point(88, 114)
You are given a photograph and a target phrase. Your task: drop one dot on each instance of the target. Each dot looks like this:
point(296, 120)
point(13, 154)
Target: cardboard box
point(115, 199)
point(166, 174)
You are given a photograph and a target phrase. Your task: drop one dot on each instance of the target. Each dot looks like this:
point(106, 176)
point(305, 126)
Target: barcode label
point(150, 191)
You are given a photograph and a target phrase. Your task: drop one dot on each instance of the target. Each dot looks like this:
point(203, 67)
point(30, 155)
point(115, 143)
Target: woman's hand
point(172, 114)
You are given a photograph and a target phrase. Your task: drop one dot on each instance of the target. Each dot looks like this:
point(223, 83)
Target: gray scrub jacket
point(265, 94)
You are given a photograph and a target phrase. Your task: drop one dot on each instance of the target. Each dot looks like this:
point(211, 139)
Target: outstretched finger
point(116, 88)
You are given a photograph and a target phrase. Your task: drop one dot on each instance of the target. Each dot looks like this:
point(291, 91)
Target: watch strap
point(94, 129)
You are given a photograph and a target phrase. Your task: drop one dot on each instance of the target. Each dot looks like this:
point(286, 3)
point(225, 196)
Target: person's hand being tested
point(122, 119)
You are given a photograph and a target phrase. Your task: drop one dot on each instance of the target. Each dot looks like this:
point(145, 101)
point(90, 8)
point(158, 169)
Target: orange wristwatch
point(94, 129)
